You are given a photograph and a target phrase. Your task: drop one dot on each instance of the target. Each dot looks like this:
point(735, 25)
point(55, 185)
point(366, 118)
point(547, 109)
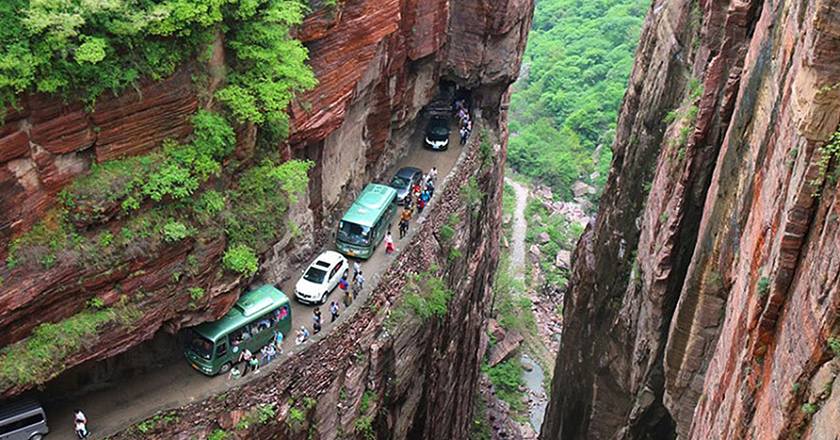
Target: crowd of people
point(463, 120)
point(417, 199)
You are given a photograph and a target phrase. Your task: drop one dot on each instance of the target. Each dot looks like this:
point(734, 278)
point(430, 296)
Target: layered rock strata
point(378, 63)
point(705, 292)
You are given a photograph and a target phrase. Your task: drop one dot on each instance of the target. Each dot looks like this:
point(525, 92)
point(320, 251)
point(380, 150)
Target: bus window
point(240, 335)
point(221, 349)
point(22, 423)
point(263, 323)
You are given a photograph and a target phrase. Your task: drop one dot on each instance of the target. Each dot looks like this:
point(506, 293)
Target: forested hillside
point(566, 102)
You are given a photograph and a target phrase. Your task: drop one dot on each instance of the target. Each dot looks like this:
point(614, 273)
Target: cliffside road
point(520, 226)
point(120, 405)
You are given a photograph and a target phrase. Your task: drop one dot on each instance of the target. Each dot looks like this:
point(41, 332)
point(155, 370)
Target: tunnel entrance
point(164, 350)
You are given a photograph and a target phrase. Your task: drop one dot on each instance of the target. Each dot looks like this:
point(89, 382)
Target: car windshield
point(399, 182)
point(200, 345)
point(315, 275)
point(353, 234)
point(438, 131)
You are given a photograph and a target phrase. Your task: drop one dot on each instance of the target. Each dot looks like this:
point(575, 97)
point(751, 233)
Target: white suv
point(321, 277)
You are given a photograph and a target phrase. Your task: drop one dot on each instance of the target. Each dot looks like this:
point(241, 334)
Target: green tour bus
point(364, 224)
point(213, 347)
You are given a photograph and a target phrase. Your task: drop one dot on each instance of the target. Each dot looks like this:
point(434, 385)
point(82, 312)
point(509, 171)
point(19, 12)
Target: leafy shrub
point(268, 65)
point(295, 418)
point(176, 231)
point(447, 233)
point(210, 203)
point(259, 203)
point(364, 427)
point(834, 345)
point(367, 397)
point(763, 285)
point(240, 258)
point(427, 296)
point(809, 408)
point(507, 378)
point(173, 170)
point(41, 356)
point(265, 413)
point(218, 434)
point(196, 293)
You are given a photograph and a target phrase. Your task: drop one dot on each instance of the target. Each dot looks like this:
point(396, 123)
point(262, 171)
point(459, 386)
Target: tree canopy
point(578, 58)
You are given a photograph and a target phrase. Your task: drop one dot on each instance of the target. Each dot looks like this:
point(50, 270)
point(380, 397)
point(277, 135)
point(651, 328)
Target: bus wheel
point(324, 298)
point(225, 368)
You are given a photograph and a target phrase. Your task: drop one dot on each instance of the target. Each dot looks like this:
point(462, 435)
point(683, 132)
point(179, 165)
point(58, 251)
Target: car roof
point(408, 172)
point(329, 257)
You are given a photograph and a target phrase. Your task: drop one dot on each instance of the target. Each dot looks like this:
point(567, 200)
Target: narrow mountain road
point(118, 405)
point(520, 226)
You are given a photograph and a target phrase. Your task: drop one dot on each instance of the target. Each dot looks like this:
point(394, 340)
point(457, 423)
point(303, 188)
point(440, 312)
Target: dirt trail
point(122, 404)
point(520, 226)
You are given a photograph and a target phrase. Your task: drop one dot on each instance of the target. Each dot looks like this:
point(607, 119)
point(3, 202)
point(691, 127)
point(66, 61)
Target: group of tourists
point(249, 361)
point(417, 198)
point(464, 120)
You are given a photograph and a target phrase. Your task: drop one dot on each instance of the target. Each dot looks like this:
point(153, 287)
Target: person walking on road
point(430, 188)
point(360, 284)
point(234, 374)
point(463, 133)
point(80, 423)
point(347, 300)
point(389, 243)
point(343, 285)
point(255, 364)
point(334, 310)
point(403, 228)
point(316, 321)
point(245, 358)
point(433, 174)
point(356, 269)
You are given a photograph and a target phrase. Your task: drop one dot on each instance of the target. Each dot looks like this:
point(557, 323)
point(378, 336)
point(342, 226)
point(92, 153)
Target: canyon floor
point(114, 406)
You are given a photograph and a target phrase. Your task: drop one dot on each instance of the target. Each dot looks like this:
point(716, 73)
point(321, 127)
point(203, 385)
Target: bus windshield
point(353, 234)
point(200, 345)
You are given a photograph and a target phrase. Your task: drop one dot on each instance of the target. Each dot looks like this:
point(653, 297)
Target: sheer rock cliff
point(704, 295)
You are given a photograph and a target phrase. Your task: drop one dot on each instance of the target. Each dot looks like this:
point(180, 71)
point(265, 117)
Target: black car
point(437, 133)
point(405, 178)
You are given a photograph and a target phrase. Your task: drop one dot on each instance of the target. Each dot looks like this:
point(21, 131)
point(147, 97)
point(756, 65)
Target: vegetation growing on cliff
point(39, 357)
point(80, 49)
point(579, 56)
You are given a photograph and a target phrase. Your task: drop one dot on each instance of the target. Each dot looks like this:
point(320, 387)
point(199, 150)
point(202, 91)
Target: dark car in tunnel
point(437, 133)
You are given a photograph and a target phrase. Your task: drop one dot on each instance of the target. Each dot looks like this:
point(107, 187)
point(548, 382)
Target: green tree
point(579, 56)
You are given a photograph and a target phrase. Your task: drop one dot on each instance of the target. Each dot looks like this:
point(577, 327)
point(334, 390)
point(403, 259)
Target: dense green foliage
point(41, 356)
point(81, 48)
point(579, 55)
point(507, 378)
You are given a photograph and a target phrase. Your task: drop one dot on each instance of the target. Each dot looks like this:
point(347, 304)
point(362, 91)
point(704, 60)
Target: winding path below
point(517, 254)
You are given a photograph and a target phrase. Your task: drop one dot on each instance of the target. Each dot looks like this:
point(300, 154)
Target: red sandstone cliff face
point(705, 292)
point(378, 63)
